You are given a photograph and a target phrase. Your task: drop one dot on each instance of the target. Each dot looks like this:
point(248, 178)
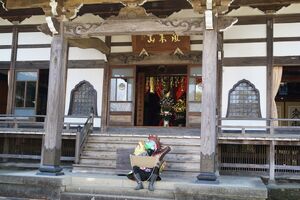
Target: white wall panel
point(76, 53)
point(245, 11)
point(292, 9)
point(37, 19)
point(185, 13)
point(121, 38)
point(5, 22)
point(287, 30)
point(197, 47)
point(33, 54)
point(6, 38)
point(5, 54)
point(246, 31)
point(121, 49)
point(88, 18)
point(287, 48)
point(34, 38)
point(94, 77)
point(196, 37)
point(257, 76)
point(245, 49)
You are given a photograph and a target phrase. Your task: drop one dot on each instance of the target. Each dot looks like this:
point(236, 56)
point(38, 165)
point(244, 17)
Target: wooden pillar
point(104, 113)
point(5, 149)
point(55, 107)
point(270, 36)
point(209, 102)
point(272, 162)
point(11, 73)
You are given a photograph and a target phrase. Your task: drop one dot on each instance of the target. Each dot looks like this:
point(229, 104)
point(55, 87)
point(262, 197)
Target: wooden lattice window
point(244, 101)
point(83, 99)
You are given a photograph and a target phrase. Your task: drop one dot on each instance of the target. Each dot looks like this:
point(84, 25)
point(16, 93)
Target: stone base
point(50, 170)
point(207, 177)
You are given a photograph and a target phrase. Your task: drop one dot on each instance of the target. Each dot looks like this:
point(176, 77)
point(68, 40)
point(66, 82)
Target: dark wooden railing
point(280, 142)
point(16, 123)
point(269, 128)
point(82, 135)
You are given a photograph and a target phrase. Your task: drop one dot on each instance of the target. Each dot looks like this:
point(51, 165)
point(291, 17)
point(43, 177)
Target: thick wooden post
point(272, 162)
point(209, 105)
point(55, 107)
point(11, 73)
point(270, 63)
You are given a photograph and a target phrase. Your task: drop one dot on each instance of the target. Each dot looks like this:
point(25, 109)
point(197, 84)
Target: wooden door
point(194, 96)
point(121, 96)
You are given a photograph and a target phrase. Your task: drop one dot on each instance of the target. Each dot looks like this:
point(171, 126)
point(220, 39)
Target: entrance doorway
point(3, 91)
point(161, 96)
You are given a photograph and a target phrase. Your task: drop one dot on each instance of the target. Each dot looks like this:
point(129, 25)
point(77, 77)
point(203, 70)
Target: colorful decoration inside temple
point(170, 92)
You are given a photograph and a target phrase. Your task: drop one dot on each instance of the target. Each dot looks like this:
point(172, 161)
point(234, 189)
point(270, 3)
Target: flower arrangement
point(179, 106)
point(166, 104)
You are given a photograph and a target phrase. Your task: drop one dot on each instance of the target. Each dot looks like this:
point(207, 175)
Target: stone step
point(111, 164)
point(119, 186)
point(84, 196)
point(170, 172)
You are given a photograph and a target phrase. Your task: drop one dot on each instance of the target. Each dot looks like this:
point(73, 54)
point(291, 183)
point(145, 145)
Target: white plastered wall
point(257, 76)
point(5, 39)
point(29, 54)
point(245, 11)
point(121, 38)
point(5, 22)
point(287, 48)
point(292, 9)
point(94, 77)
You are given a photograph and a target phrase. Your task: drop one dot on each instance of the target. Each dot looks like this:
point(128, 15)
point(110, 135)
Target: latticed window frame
point(243, 114)
point(72, 99)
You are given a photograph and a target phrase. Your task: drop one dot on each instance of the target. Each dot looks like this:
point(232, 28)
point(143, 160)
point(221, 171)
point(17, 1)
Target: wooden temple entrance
point(161, 96)
point(126, 23)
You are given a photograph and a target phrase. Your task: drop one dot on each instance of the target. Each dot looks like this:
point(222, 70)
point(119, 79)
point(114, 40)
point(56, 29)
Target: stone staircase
point(100, 153)
point(111, 187)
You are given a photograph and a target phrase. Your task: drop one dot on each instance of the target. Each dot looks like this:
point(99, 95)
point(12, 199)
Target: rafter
point(85, 43)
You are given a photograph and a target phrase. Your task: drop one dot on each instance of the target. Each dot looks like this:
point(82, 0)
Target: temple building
point(82, 81)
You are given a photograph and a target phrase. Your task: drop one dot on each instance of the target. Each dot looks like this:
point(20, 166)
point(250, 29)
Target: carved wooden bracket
point(190, 26)
point(218, 6)
point(152, 58)
point(86, 43)
point(225, 23)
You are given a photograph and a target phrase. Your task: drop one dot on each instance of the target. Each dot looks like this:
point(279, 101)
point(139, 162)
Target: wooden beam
point(86, 43)
point(190, 26)
point(263, 2)
point(20, 4)
point(163, 58)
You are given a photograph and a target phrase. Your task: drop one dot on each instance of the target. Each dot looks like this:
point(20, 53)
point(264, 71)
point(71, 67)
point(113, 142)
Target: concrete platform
point(82, 186)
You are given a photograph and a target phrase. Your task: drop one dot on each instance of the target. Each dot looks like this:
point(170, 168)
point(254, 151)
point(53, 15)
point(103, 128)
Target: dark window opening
point(3, 91)
point(83, 99)
point(244, 101)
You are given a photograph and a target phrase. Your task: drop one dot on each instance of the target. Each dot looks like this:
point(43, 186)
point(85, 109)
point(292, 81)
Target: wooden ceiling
point(160, 8)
